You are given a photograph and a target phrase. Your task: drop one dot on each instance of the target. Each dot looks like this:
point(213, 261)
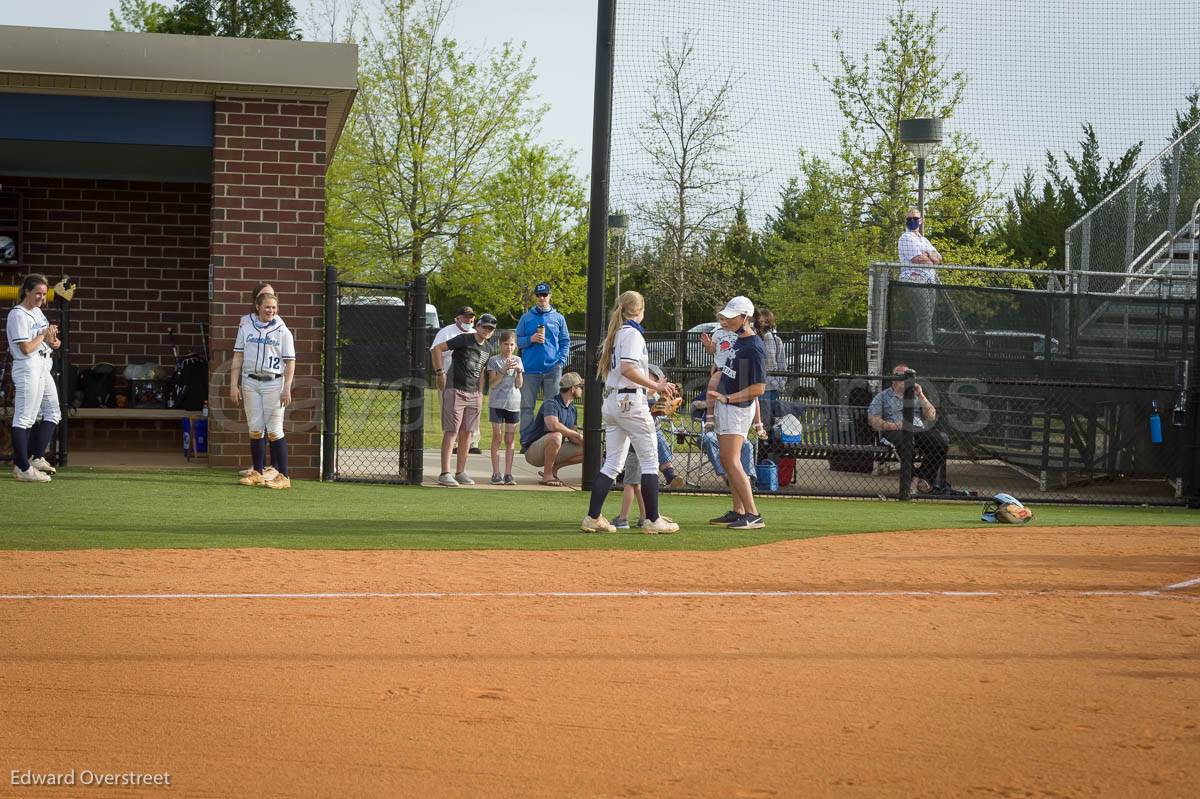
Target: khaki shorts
point(460, 410)
point(535, 455)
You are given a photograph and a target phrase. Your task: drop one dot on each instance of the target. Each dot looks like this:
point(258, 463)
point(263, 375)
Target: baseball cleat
point(253, 479)
point(30, 475)
point(268, 473)
point(660, 526)
point(43, 465)
point(279, 481)
point(597, 525)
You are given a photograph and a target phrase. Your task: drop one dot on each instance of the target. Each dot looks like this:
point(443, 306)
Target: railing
point(1136, 226)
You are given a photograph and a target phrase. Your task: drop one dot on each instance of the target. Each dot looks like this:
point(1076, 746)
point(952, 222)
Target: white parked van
point(431, 314)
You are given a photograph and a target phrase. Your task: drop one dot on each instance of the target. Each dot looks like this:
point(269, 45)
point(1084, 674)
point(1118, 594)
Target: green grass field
point(201, 508)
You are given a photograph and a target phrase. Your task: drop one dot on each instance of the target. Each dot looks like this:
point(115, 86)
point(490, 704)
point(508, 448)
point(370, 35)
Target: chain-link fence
point(374, 381)
point(1142, 228)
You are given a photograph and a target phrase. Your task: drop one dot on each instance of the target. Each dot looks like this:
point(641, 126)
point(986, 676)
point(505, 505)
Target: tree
point(535, 229)
point(1034, 222)
point(251, 19)
point(430, 129)
point(843, 213)
point(686, 133)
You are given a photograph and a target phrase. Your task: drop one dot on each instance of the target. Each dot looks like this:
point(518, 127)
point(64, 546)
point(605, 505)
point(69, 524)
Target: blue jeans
point(548, 383)
point(664, 449)
point(712, 448)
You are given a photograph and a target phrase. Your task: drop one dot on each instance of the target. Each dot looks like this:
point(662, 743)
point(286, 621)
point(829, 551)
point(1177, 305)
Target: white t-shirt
point(505, 396)
point(445, 334)
point(25, 325)
point(723, 340)
point(264, 345)
point(629, 346)
point(911, 245)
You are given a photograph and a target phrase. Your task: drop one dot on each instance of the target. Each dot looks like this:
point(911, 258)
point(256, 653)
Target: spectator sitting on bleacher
point(885, 414)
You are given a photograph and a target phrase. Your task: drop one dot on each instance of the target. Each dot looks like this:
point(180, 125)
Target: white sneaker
point(43, 465)
point(598, 525)
point(446, 479)
point(30, 475)
point(660, 526)
point(464, 479)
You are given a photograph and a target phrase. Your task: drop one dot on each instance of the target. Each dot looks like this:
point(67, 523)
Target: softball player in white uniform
point(625, 370)
point(31, 342)
point(264, 358)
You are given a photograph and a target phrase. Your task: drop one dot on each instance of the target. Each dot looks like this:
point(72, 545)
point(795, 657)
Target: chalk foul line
point(611, 594)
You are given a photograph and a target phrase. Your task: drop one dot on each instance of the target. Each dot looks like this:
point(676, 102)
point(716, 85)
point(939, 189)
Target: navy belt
point(262, 378)
point(631, 390)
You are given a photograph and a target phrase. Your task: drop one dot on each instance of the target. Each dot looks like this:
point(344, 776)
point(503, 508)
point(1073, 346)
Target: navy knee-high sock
point(41, 438)
point(279, 456)
point(650, 495)
point(600, 488)
point(258, 454)
point(20, 439)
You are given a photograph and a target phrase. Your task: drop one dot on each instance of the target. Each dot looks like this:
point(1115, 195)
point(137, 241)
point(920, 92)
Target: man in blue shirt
point(552, 440)
point(545, 349)
point(885, 414)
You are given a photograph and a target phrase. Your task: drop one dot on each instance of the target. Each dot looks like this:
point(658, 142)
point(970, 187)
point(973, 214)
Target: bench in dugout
point(839, 434)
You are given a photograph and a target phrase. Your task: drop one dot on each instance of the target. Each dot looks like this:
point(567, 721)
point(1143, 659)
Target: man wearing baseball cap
point(463, 398)
point(545, 349)
point(553, 440)
point(464, 321)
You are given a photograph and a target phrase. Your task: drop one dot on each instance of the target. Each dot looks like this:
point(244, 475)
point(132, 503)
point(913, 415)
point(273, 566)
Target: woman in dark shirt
point(743, 380)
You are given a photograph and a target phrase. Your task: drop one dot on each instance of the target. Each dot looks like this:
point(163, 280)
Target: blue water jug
point(768, 476)
point(1155, 424)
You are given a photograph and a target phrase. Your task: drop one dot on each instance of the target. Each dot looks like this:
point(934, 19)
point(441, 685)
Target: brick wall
point(140, 253)
point(268, 214)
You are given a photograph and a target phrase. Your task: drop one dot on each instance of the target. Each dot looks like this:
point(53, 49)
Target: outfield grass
point(201, 508)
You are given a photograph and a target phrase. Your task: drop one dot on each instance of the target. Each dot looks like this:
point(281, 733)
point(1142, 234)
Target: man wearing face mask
point(918, 254)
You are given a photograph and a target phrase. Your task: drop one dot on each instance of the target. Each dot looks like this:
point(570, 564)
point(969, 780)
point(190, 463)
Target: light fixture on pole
point(617, 225)
point(921, 136)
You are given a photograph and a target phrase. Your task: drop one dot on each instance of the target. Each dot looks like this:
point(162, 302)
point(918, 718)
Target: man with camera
point(885, 414)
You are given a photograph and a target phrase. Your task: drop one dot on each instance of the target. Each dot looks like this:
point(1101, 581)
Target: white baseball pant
point(627, 422)
point(35, 394)
point(264, 411)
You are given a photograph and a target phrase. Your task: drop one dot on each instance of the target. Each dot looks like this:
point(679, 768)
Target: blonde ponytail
point(627, 307)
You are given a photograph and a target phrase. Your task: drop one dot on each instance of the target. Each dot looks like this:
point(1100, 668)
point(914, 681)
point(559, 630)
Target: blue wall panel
point(105, 120)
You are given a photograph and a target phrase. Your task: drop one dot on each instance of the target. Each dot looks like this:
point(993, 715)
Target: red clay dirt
point(1040, 691)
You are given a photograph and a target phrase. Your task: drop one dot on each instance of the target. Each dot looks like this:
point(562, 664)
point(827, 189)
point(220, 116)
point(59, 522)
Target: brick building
point(168, 174)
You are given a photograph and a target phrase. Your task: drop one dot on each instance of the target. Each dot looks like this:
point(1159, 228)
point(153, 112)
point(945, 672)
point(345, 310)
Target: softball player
point(268, 473)
point(625, 370)
point(264, 358)
point(31, 341)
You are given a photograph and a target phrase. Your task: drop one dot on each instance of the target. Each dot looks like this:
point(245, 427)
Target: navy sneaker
point(725, 520)
point(749, 521)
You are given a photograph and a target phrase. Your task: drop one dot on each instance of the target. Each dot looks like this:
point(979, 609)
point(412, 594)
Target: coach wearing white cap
point(742, 381)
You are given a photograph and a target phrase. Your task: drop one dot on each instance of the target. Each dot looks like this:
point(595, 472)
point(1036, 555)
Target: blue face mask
point(912, 224)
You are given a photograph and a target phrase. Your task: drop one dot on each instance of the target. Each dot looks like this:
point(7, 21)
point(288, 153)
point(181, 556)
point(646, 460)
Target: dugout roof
point(77, 103)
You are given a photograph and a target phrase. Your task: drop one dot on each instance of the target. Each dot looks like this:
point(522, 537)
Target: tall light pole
point(617, 225)
point(921, 136)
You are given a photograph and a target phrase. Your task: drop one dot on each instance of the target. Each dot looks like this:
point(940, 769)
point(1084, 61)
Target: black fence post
point(906, 437)
point(329, 432)
point(1191, 463)
point(415, 429)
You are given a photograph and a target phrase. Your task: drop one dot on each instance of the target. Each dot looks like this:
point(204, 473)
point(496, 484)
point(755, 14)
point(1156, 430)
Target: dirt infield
point(892, 684)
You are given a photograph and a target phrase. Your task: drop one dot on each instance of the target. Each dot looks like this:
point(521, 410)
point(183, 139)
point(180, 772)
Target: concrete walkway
point(480, 469)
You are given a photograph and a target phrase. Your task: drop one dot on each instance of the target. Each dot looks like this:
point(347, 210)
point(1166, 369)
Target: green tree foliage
point(430, 129)
point(842, 214)
point(535, 229)
point(1034, 221)
point(250, 19)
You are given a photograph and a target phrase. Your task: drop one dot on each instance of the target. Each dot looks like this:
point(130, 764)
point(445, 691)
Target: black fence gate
point(375, 357)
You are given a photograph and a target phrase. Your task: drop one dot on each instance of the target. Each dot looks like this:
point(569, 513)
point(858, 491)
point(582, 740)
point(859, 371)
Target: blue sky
point(1036, 70)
